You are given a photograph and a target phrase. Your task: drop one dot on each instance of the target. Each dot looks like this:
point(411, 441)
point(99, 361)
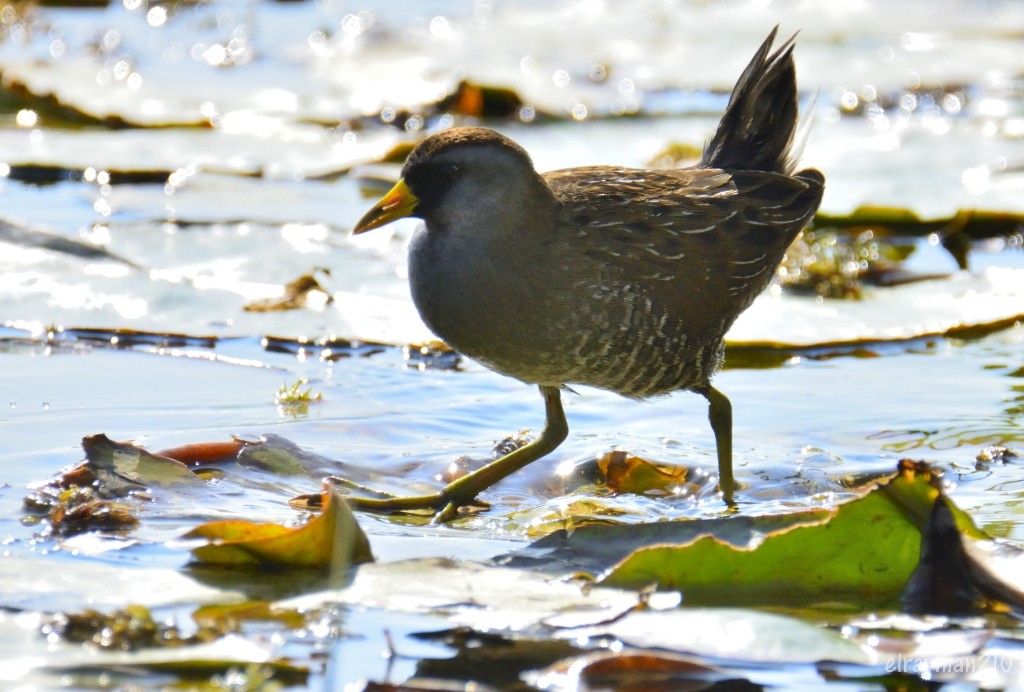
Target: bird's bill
point(398, 203)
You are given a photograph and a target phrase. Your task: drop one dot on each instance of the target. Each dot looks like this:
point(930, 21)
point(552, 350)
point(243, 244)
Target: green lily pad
point(865, 550)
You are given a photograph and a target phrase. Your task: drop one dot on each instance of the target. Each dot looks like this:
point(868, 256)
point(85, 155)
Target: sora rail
point(619, 278)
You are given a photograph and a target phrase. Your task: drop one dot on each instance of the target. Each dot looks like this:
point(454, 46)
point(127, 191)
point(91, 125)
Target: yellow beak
point(398, 203)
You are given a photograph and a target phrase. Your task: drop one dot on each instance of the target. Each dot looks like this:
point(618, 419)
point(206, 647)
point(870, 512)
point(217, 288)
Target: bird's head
point(454, 179)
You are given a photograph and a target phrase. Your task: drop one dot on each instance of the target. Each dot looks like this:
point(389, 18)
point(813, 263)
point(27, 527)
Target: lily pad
point(961, 302)
point(733, 634)
point(872, 549)
point(868, 547)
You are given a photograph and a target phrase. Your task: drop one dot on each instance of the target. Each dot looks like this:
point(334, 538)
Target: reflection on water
point(964, 436)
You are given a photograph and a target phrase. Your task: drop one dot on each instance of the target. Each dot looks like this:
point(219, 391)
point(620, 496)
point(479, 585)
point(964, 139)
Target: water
point(296, 93)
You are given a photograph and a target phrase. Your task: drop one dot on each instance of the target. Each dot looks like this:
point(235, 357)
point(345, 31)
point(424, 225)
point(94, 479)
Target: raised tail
point(756, 132)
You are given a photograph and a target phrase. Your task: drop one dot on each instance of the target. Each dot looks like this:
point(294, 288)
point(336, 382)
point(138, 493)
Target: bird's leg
point(464, 490)
point(720, 415)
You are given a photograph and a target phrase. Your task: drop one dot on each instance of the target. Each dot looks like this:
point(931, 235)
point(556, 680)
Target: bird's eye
point(447, 170)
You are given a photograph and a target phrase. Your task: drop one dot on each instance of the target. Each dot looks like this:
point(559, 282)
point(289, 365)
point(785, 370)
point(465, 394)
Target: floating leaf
point(38, 238)
point(596, 548)
point(902, 537)
point(97, 584)
point(634, 670)
point(122, 464)
point(867, 548)
point(283, 457)
point(480, 100)
point(498, 658)
point(138, 649)
point(227, 616)
point(125, 629)
point(495, 601)
point(431, 354)
point(900, 219)
point(626, 473)
point(205, 453)
point(295, 294)
point(78, 499)
point(731, 634)
point(964, 305)
point(331, 540)
point(676, 155)
point(77, 510)
point(997, 568)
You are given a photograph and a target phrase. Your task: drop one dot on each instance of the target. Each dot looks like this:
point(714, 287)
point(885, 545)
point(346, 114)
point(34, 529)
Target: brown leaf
point(294, 296)
point(626, 473)
point(205, 453)
point(636, 670)
point(332, 540)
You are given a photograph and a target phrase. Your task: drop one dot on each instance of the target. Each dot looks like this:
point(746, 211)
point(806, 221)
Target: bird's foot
point(444, 504)
point(727, 491)
point(462, 493)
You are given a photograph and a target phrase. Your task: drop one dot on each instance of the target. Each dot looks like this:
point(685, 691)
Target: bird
point(624, 279)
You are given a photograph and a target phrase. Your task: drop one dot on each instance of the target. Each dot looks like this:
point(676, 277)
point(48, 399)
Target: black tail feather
point(756, 132)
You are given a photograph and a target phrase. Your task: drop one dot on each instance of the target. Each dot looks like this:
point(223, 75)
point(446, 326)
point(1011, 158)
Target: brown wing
point(701, 242)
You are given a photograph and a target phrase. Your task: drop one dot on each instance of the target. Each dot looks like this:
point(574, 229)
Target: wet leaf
point(482, 597)
point(903, 537)
point(866, 551)
point(79, 499)
point(205, 453)
point(219, 674)
point(627, 670)
point(597, 548)
point(120, 660)
point(901, 219)
point(98, 584)
point(281, 456)
point(957, 231)
point(77, 510)
point(676, 155)
point(327, 348)
point(732, 634)
point(964, 305)
point(227, 616)
point(498, 658)
point(481, 101)
point(54, 111)
point(975, 223)
point(122, 465)
point(498, 602)
point(48, 174)
point(295, 294)
point(626, 473)
point(432, 354)
point(37, 238)
point(130, 338)
point(831, 264)
point(997, 568)
point(333, 540)
point(996, 454)
point(126, 629)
